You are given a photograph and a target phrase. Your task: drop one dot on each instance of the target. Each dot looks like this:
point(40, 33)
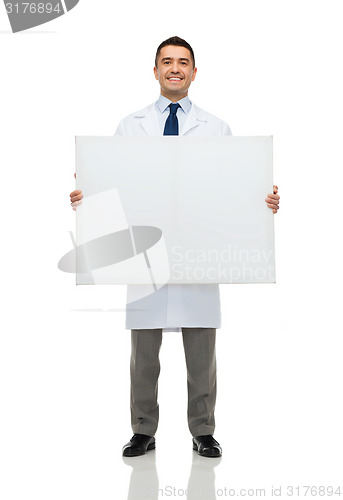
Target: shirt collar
point(162, 103)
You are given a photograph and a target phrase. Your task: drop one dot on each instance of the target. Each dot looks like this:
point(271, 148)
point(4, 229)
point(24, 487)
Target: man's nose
point(175, 68)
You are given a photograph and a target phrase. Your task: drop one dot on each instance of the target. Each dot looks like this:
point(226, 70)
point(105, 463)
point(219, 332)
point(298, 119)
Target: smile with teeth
point(175, 78)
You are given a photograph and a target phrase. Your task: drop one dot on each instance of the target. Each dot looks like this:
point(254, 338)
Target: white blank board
point(174, 210)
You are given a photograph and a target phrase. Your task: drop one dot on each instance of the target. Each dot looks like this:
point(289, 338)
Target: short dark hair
point(175, 40)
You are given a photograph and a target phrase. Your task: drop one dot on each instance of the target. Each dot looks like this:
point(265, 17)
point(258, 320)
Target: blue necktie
point(172, 124)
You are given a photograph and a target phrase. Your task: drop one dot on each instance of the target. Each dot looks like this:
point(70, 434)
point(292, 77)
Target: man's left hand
point(273, 199)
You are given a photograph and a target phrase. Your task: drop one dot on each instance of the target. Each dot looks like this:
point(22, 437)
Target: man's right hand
point(76, 197)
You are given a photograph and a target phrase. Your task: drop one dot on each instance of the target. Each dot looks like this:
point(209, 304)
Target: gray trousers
point(199, 347)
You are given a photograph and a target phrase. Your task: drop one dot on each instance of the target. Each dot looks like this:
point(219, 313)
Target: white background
point(266, 67)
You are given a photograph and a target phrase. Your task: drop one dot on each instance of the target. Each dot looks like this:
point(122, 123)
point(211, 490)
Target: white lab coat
point(173, 306)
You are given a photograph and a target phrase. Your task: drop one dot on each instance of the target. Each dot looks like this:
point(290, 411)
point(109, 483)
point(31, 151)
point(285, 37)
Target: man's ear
point(194, 73)
point(156, 72)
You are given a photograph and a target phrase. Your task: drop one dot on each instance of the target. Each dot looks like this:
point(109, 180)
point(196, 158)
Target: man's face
point(174, 72)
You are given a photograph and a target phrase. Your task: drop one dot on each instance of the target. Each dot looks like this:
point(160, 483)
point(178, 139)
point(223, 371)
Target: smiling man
point(192, 309)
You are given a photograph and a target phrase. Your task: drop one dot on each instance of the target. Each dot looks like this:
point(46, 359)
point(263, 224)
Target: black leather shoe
point(139, 444)
point(207, 446)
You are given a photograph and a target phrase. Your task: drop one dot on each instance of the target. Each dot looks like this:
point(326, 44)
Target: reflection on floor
point(144, 482)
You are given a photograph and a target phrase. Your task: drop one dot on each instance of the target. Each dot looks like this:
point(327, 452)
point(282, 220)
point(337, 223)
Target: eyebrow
point(170, 58)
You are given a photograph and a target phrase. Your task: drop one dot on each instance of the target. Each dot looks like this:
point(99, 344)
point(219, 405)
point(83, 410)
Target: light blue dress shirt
point(163, 111)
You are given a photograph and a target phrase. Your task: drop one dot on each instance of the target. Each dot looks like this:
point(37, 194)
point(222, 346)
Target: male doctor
point(194, 309)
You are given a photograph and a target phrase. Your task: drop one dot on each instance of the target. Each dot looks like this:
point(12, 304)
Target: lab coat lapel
point(149, 122)
point(194, 120)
